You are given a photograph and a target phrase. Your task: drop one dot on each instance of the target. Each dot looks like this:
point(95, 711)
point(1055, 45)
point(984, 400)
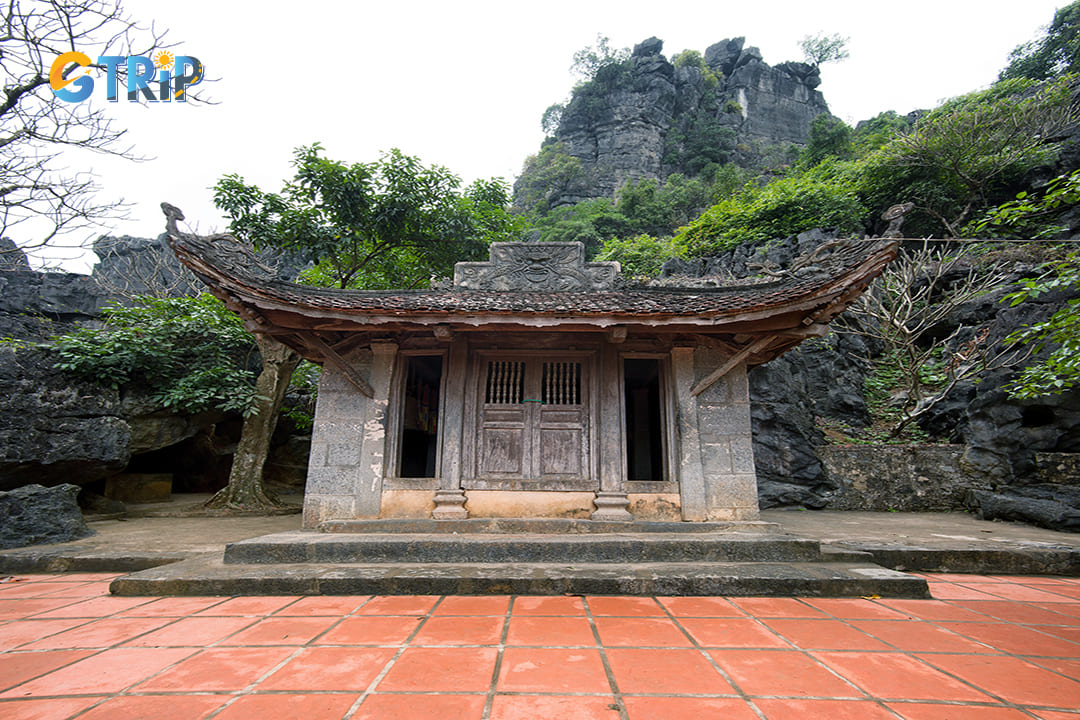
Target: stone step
point(211, 576)
point(552, 526)
point(313, 547)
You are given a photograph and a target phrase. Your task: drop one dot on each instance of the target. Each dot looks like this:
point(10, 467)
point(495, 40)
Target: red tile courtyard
point(993, 648)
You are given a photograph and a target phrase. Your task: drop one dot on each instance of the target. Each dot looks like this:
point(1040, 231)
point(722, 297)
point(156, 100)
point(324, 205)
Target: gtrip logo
point(163, 78)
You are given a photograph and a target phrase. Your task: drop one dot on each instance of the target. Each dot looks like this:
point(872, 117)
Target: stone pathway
point(987, 647)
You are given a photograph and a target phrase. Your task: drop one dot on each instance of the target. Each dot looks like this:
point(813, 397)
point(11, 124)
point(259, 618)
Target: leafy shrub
point(823, 197)
point(639, 256)
point(192, 353)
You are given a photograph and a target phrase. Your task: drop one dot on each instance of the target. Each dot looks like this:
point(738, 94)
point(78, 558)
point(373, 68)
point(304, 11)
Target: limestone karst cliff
point(649, 117)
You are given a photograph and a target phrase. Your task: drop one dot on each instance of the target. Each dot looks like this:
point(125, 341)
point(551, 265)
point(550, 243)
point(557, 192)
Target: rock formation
point(646, 118)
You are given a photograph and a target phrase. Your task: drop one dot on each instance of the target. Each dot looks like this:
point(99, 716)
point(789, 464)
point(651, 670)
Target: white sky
point(463, 83)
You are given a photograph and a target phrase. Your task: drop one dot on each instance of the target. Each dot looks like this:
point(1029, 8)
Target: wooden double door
point(532, 417)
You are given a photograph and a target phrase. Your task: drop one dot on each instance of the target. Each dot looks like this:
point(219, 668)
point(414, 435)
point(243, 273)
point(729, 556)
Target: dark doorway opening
point(420, 416)
point(644, 420)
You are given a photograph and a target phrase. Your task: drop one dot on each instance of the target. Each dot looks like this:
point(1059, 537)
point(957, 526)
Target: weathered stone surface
point(12, 257)
point(636, 121)
point(35, 515)
point(1013, 506)
point(525, 267)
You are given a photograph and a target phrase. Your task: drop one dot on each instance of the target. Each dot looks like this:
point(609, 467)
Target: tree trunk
point(246, 491)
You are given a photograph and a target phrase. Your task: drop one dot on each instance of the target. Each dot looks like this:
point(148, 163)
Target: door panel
point(533, 420)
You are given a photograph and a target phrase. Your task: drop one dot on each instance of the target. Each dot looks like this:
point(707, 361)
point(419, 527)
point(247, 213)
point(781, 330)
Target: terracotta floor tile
point(1014, 591)
point(798, 709)
point(80, 589)
point(898, 676)
point(473, 605)
point(776, 607)
point(684, 708)
point(732, 632)
point(958, 577)
point(1016, 639)
point(370, 630)
point(460, 630)
point(19, 667)
point(550, 631)
point(196, 631)
point(952, 591)
point(1011, 678)
point(531, 707)
point(1066, 666)
point(625, 606)
point(1054, 715)
point(98, 634)
point(323, 605)
point(441, 670)
point(931, 711)
point(218, 669)
point(398, 605)
point(19, 608)
point(918, 636)
point(172, 607)
point(46, 709)
point(281, 631)
point(20, 632)
point(157, 707)
point(640, 632)
point(98, 607)
point(666, 670)
point(421, 707)
point(814, 634)
point(1070, 609)
point(253, 605)
point(288, 707)
point(552, 670)
point(548, 605)
point(329, 668)
point(1072, 634)
point(1016, 612)
point(782, 672)
point(934, 610)
point(700, 607)
point(854, 608)
point(106, 672)
point(1065, 592)
point(39, 588)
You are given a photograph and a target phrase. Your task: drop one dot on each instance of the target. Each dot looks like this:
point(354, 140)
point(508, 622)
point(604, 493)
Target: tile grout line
point(489, 701)
point(366, 693)
point(620, 702)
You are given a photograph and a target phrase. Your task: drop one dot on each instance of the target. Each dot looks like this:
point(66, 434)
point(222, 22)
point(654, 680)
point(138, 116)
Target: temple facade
point(538, 385)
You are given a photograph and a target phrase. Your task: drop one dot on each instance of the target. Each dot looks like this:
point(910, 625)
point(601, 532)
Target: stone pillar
point(611, 500)
point(348, 442)
point(688, 452)
point(724, 431)
point(450, 498)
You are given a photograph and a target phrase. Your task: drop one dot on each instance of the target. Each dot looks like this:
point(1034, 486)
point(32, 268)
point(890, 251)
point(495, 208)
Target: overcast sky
point(463, 83)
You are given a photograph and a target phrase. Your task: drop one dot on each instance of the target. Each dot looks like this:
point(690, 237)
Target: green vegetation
point(821, 48)
point(1055, 53)
point(1060, 370)
point(191, 353)
point(639, 256)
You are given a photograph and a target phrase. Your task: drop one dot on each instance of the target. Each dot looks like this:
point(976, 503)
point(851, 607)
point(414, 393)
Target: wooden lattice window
point(505, 382)
point(561, 383)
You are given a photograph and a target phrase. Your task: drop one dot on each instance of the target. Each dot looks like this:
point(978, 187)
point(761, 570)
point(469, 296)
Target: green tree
point(960, 157)
point(190, 352)
point(393, 222)
point(589, 59)
point(1055, 53)
point(639, 256)
point(829, 137)
point(820, 48)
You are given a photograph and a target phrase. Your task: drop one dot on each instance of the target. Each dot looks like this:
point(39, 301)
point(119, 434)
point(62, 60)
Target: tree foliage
point(1055, 53)
point(1060, 334)
point(590, 59)
point(191, 352)
point(820, 48)
point(390, 223)
point(42, 193)
point(639, 256)
point(829, 137)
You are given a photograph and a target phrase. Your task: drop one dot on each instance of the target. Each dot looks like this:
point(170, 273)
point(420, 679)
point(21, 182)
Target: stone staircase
point(527, 557)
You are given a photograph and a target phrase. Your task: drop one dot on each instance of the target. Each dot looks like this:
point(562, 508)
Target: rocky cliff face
point(647, 118)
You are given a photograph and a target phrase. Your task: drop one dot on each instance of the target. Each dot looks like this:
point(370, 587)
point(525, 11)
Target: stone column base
point(450, 505)
point(612, 506)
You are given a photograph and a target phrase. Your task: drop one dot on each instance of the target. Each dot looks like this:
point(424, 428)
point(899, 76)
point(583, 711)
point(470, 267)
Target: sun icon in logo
point(163, 60)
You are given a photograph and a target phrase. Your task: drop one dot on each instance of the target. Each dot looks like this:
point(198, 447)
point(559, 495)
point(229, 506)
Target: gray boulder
point(36, 515)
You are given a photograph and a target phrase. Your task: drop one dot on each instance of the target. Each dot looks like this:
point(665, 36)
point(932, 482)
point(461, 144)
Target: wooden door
point(532, 423)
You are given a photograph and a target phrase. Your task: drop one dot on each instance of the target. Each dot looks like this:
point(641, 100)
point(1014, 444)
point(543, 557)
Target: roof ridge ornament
point(536, 267)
